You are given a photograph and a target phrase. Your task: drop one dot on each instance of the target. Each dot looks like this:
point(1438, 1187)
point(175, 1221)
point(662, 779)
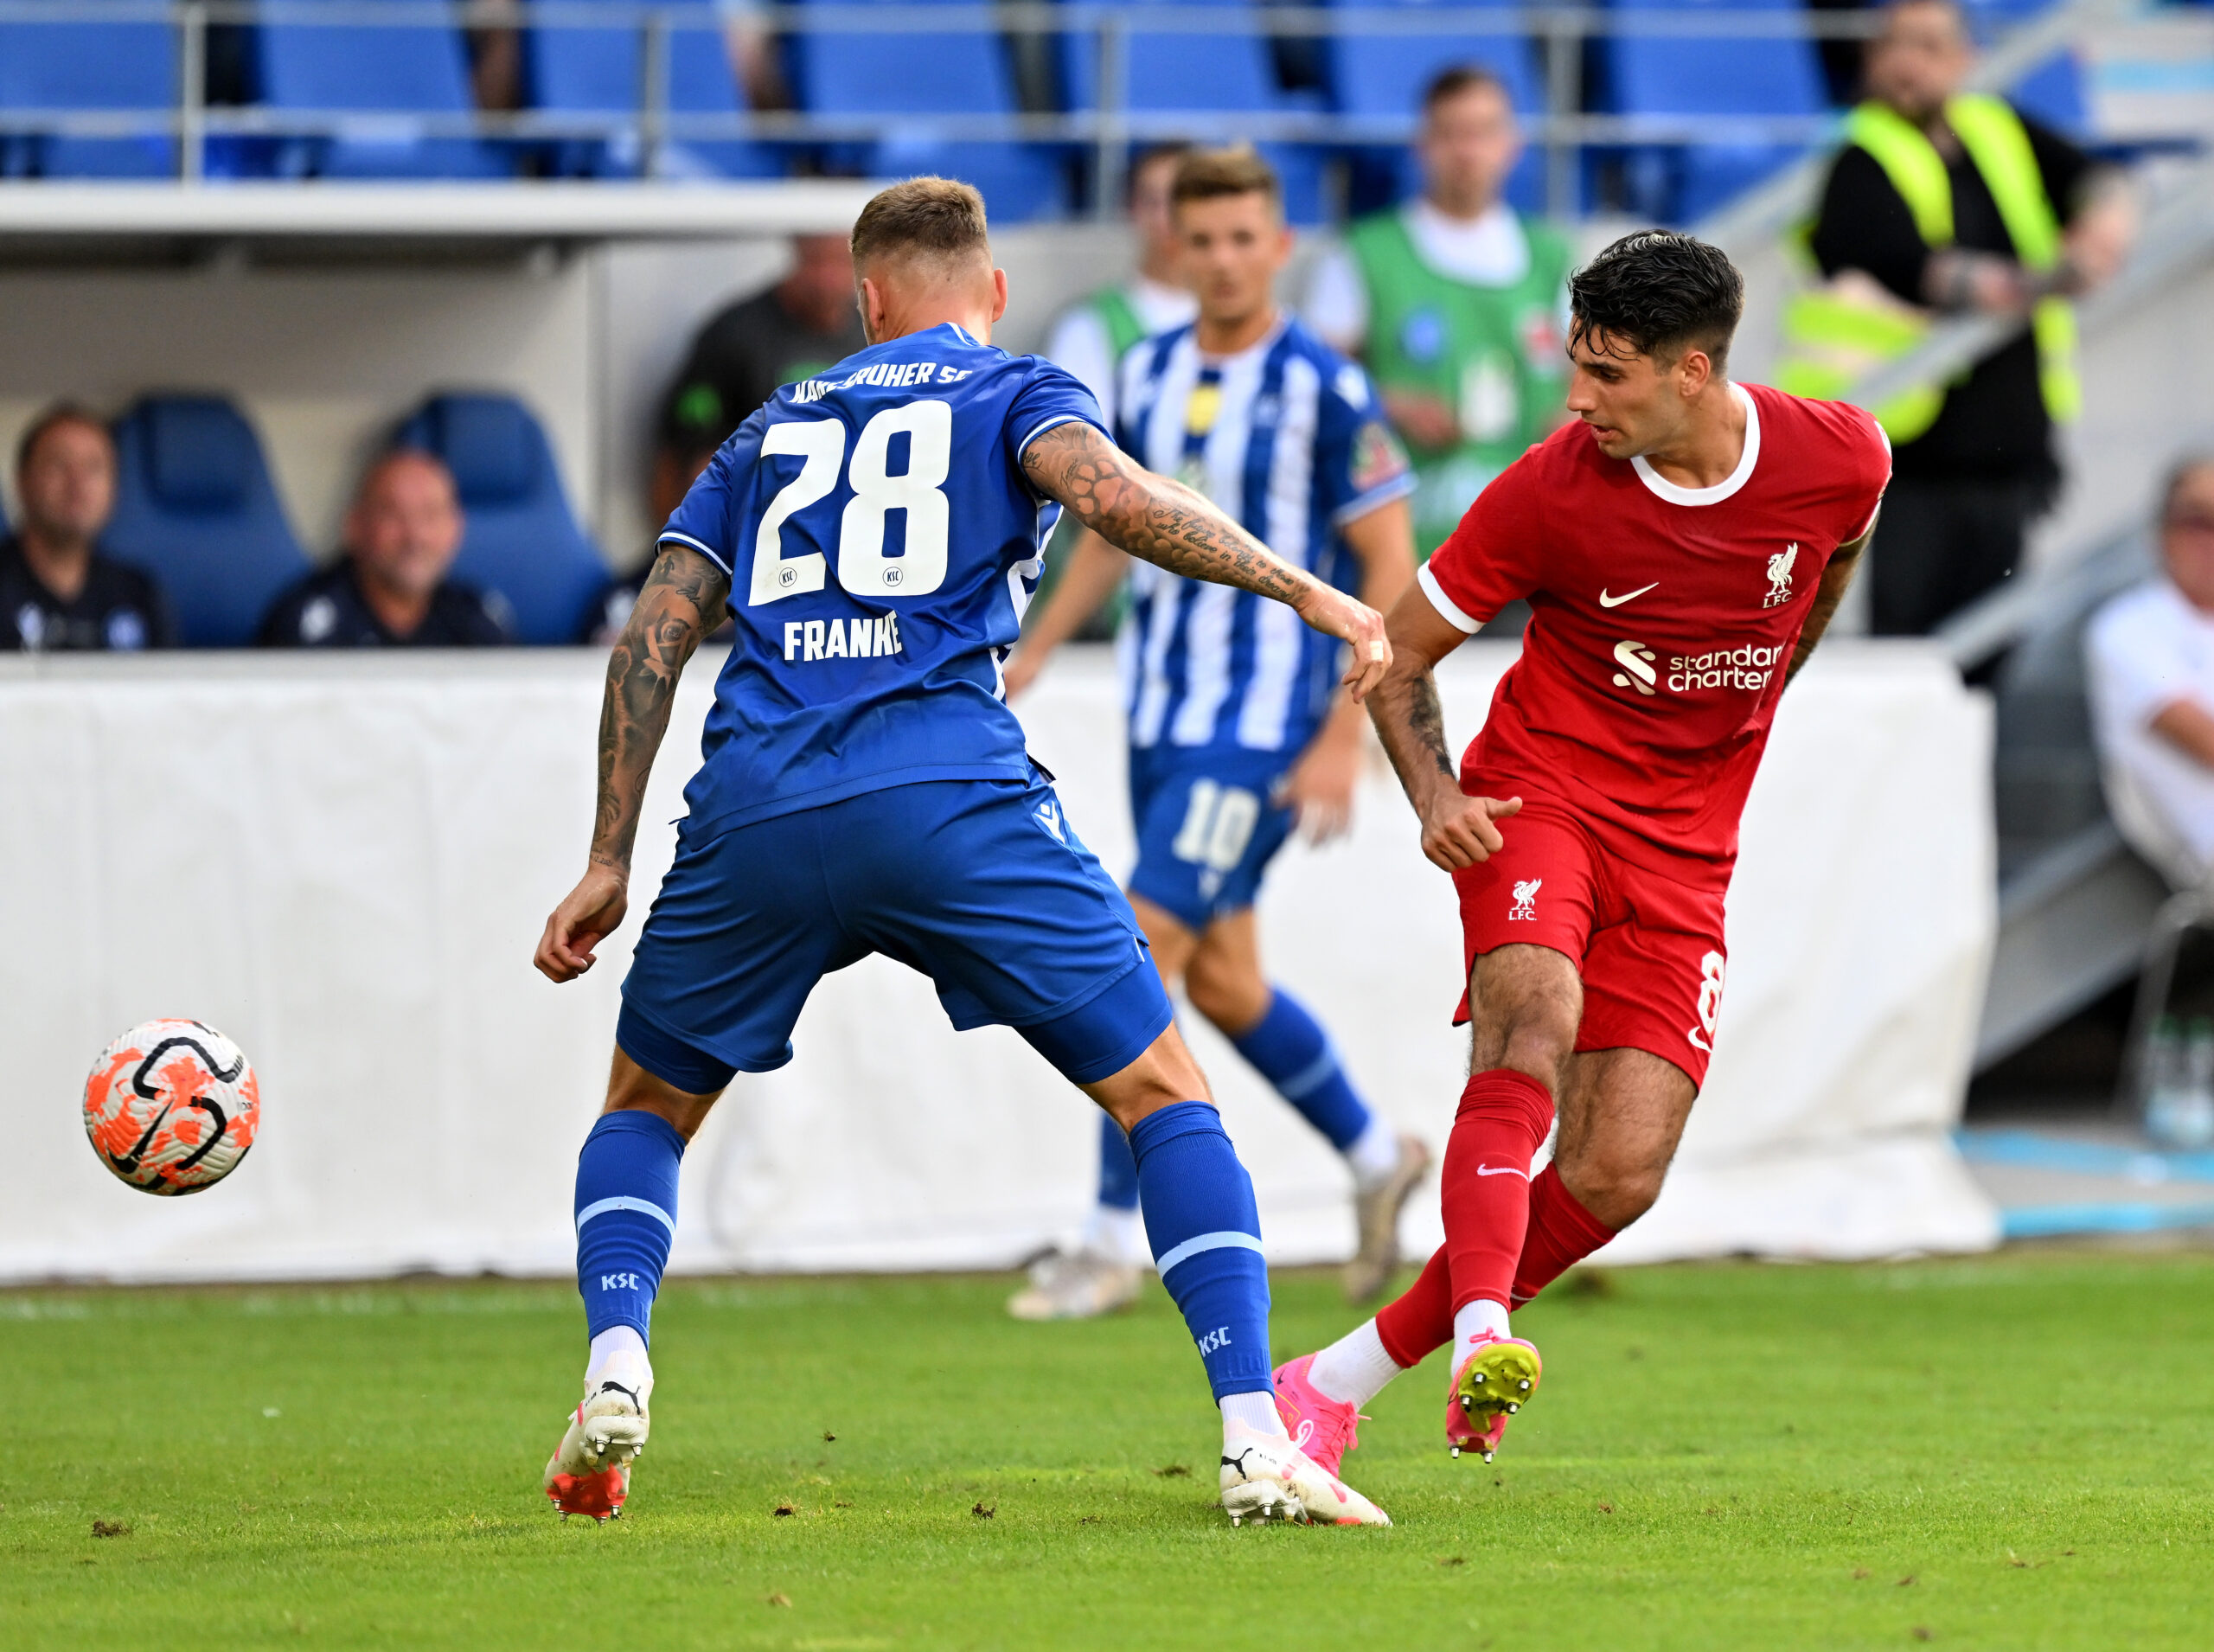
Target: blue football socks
point(1289, 1048)
point(626, 1216)
point(1206, 1233)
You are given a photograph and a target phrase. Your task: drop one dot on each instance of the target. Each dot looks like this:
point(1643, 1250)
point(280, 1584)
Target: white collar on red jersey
point(1676, 494)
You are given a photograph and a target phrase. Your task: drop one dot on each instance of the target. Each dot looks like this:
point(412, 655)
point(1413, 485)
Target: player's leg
point(1104, 1272)
point(1526, 916)
point(626, 1213)
point(1205, 1232)
point(1282, 1040)
point(723, 964)
point(1653, 994)
point(1621, 1114)
point(1018, 924)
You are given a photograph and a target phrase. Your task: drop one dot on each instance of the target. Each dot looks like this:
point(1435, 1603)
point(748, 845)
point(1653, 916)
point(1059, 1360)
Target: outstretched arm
point(1095, 568)
point(1457, 829)
point(1827, 595)
point(683, 602)
point(1174, 527)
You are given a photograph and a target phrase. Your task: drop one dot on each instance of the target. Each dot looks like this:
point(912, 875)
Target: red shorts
point(1649, 948)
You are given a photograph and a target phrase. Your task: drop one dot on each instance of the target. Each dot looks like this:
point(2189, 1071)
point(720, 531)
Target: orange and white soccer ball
point(171, 1106)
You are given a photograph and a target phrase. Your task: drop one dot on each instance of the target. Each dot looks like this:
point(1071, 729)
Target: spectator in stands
point(1457, 304)
point(805, 323)
point(56, 590)
point(1089, 337)
point(389, 587)
point(2149, 655)
point(1950, 203)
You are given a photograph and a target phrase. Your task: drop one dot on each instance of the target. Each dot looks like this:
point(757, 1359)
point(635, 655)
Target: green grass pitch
point(2012, 1453)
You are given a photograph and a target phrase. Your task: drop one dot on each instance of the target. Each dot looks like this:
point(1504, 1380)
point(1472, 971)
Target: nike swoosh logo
point(1606, 601)
point(1501, 1170)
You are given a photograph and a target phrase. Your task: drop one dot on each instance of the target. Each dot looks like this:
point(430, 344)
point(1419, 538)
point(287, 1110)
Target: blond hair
point(1212, 173)
point(940, 218)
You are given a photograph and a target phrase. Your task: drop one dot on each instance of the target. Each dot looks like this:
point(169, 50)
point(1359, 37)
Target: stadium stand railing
point(1665, 108)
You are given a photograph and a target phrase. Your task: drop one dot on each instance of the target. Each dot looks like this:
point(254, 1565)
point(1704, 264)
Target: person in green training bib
point(1089, 337)
point(1456, 303)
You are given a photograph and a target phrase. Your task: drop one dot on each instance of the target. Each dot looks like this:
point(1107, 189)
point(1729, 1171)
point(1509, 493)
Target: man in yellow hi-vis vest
point(1942, 203)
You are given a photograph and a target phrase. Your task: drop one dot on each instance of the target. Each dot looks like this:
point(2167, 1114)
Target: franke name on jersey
point(852, 639)
point(1654, 738)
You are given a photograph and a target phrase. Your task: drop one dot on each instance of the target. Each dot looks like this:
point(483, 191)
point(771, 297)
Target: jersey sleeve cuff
point(1054, 422)
point(1445, 606)
point(1383, 494)
point(669, 536)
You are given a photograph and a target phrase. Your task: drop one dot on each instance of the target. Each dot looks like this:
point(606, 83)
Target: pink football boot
point(1324, 1428)
point(1489, 1386)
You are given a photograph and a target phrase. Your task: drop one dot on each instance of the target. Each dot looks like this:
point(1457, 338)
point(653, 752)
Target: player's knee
point(1539, 1046)
point(1233, 999)
point(1615, 1189)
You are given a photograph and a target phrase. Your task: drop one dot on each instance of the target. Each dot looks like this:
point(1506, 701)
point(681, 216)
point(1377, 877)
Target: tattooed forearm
point(1410, 723)
point(1151, 516)
point(1831, 592)
point(682, 601)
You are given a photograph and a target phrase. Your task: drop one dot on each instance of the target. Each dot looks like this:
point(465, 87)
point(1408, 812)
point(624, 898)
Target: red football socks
point(1485, 1187)
point(1561, 1234)
point(1420, 1322)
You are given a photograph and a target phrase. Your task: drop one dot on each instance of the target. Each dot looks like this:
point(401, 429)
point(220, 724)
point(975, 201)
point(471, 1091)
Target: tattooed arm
point(1457, 830)
point(1171, 526)
point(1827, 595)
point(682, 601)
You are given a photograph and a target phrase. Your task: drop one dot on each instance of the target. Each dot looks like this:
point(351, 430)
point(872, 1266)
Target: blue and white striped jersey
point(1288, 437)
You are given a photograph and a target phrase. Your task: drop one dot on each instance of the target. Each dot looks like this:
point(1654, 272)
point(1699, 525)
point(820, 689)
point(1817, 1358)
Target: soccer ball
point(171, 1106)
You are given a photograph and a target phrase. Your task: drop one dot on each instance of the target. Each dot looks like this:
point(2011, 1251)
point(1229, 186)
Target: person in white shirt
point(1456, 303)
point(1090, 338)
point(2150, 659)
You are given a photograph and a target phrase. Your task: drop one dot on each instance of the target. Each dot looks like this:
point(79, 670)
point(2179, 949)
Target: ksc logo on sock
point(1214, 1340)
point(620, 1282)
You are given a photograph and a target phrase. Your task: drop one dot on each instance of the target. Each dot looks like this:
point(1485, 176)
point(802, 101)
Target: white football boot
point(589, 1472)
point(1075, 1285)
point(1265, 1477)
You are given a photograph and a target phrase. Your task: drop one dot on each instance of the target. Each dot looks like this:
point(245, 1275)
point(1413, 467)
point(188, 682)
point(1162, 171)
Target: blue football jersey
point(1288, 438)
point(882, 542)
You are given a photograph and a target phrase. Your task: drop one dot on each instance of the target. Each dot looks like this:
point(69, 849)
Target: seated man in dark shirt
point(746, 351)
point(390, 587)
point(56, 591)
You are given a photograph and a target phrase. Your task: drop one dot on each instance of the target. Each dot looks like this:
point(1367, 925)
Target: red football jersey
point(1663, 618)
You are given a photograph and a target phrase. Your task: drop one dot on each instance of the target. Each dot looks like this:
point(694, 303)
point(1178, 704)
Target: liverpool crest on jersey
point(1779, 576)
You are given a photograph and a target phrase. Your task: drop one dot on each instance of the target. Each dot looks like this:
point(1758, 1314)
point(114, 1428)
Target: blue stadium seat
point(1384, 76)
point(598, 71)
point(521, 540)
point(393, 76)
point(844, 73)
point(1210, 80)
point(87, 64)
point(1772, 74)
point(2053, 91)
point(196, 508)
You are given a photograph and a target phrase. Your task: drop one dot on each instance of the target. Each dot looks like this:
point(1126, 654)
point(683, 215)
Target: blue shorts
point(1208, 824)
point(981, 885)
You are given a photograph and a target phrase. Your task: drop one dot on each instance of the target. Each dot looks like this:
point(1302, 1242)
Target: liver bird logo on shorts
point(1526, 900)
point(1779, 576)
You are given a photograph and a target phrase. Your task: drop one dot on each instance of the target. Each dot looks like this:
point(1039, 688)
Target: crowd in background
point(1939, 203)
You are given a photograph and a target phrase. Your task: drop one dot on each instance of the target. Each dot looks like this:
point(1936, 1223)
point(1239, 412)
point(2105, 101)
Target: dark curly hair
point(1661, 294)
